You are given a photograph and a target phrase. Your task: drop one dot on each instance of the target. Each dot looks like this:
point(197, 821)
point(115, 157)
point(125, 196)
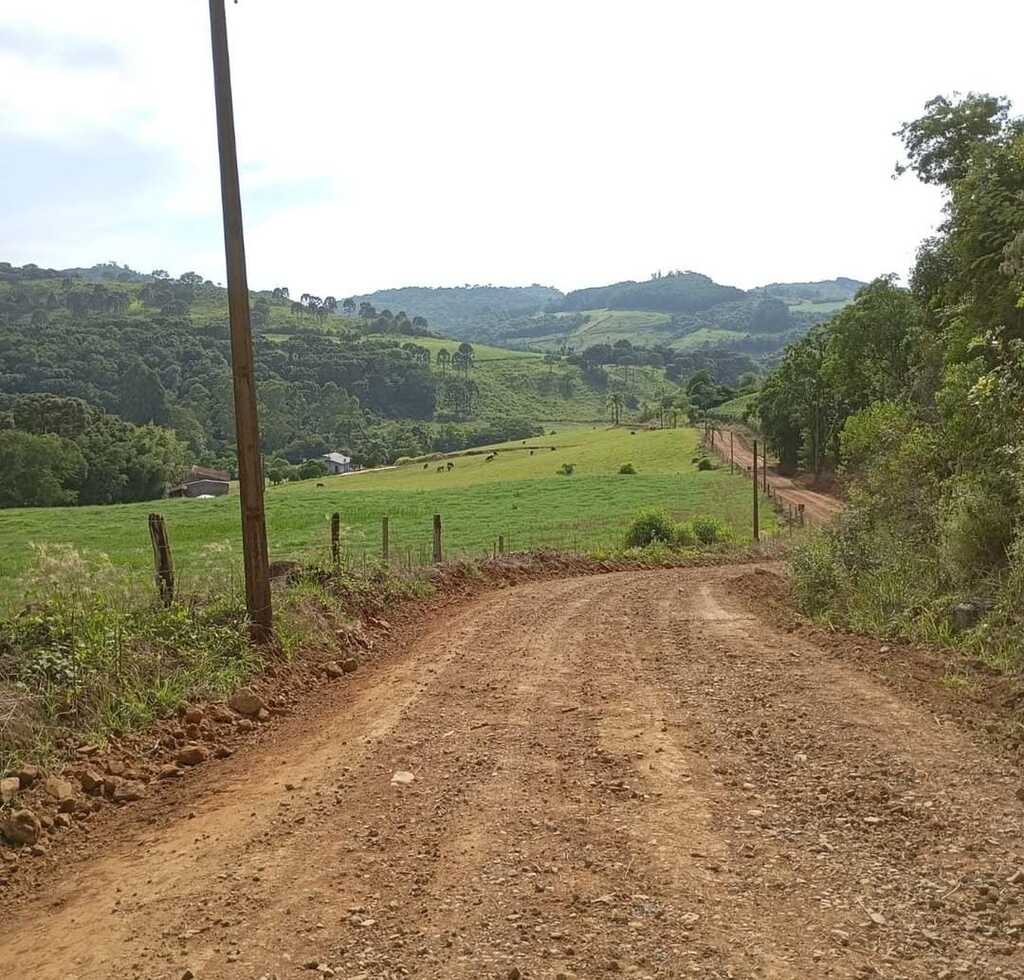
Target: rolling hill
point(684, 311)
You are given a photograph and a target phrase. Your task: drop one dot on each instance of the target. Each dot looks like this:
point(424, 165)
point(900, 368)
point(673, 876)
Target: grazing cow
point(450, 467)
point(489, 458)
point(440, 469)
point(426, 465)
point(319, 484)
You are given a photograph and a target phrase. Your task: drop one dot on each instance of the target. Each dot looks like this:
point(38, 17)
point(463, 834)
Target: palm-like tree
point(616, 402)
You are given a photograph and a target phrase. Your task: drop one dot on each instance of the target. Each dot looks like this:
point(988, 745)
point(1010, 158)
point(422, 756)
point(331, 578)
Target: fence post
point(501, 544)
point(162, 559)
point(757, 535)
point(385, 543)
point(335, 537)
point(801, 515)
point(732, 468)
point(438, 550)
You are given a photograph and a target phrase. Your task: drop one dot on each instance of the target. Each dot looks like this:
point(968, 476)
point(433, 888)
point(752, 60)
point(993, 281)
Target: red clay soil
point(820, 506)
point(644, 773)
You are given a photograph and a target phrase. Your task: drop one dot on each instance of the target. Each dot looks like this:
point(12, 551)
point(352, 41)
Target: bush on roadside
point(627, 469)
point(648, 527)
point(705, 464)
point(683, 536)
point(710, 530)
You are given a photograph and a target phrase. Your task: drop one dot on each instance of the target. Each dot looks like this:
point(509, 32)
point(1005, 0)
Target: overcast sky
point(410, 143)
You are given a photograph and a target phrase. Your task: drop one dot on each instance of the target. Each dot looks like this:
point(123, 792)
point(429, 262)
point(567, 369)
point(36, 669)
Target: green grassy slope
point(517, 494)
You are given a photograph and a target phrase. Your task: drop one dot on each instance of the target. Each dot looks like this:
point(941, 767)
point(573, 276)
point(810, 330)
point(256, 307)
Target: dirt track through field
point(819, 508)
point(629, 774)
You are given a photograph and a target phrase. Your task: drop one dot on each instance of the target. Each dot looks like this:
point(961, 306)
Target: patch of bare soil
point(631, 774)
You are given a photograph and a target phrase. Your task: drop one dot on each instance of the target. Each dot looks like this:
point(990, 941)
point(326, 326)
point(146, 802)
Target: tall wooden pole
point(247, 430)
point(757, 532)
point(732, 466)
point(764, 465)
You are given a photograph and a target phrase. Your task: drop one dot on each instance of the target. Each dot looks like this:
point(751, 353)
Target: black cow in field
point(450, 467)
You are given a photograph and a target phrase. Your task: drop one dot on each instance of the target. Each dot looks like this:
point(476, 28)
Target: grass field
point(517, 495)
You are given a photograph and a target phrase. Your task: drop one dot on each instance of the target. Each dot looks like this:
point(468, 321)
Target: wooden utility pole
point(757, 534)
point(764, 466)
point(247, 430)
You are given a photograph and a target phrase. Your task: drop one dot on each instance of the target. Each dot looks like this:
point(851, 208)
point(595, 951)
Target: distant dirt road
point(633, 774)
point(819, 508)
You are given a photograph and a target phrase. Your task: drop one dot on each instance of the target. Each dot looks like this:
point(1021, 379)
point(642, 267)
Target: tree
point(443, 359)
point(38, 470)
point(616, 402)
point(366, 310)
point(940, 143)
point(349, 305)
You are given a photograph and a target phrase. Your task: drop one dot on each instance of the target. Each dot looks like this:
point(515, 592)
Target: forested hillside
point(682, 310)
point(112, 382)
point(915, 395)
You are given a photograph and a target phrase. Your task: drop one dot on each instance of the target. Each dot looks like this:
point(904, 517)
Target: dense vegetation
point(915, 395)
point(682, 310)
point(674, 292)
point(466, 311)
point(151, 353)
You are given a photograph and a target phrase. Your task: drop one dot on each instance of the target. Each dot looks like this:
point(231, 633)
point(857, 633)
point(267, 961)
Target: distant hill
point(685, 311)
point(466, 312)
point(676, 292)
point(838, 290)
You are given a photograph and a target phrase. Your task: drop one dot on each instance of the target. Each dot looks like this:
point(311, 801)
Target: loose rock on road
point(632, 774)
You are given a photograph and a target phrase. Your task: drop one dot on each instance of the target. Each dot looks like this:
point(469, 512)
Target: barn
point(203, 481)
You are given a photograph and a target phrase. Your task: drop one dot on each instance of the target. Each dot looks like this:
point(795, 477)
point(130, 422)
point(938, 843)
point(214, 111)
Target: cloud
point(569, 143)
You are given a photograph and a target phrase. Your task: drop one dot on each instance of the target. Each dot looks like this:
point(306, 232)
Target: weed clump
point(566, 469)
point(627, 469)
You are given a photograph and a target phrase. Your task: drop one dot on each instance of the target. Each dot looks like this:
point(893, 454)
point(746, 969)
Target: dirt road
point(630, 774)
point(819, 508)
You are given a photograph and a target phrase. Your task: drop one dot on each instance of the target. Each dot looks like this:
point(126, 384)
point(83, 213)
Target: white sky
point(553, 141)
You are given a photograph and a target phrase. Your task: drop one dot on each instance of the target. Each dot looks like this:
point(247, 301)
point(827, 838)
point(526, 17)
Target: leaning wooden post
point(162, 558)
point(255, 557)
point(385, 544)
point(732, 468)
point(335, 537)
point(757, 536)
point(764, 465)
point(438, 550)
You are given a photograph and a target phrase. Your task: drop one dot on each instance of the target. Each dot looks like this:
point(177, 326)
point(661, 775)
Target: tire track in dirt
point(622, 774)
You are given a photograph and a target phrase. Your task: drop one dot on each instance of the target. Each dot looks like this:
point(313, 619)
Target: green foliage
point(708, 529)
point(917, 395)
point(627, 469)
point(37, 470)
point(648, 527)
point(683, 536)
point(704, 464)
point(103, 459)
point(976, 525)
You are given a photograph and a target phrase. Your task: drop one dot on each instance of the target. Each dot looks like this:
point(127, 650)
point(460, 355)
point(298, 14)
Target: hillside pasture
point(519, 494)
